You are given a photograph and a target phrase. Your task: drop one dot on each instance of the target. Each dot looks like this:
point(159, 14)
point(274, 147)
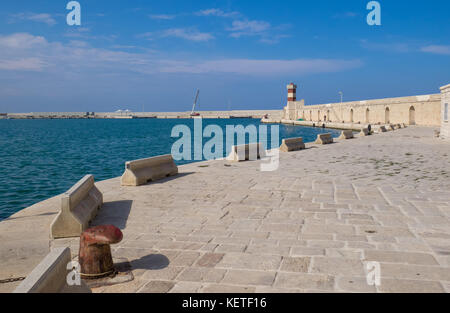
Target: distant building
point(422, 110)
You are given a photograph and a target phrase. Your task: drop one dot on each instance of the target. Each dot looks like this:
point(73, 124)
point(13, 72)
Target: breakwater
point(276, 114)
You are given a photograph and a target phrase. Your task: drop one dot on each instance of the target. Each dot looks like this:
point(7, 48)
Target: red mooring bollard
point(95, 251)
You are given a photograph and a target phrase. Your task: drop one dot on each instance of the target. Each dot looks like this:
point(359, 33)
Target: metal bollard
point(95, 251)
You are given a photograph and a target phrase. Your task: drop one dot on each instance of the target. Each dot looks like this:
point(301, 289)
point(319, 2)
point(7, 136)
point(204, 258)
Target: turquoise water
point(43, 158)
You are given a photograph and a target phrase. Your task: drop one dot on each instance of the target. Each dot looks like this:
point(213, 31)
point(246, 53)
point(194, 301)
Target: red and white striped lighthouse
point(292, 92)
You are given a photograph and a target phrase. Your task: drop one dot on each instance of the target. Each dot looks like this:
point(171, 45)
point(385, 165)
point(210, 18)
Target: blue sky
point(240, 54)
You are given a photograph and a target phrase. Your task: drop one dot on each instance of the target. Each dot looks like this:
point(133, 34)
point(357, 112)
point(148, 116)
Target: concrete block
point(248, 152)
point(140, 172)
point(324, 139)
point(292, 144)
point(364, 132)
point(346, 134)
point(382, 129)
point(79, 205)
point(50, 276)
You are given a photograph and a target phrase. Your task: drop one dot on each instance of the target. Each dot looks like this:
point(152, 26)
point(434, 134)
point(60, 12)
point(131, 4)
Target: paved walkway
point(310, 226)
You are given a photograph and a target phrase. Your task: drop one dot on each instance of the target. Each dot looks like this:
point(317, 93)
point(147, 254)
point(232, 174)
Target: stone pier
point(310, 226)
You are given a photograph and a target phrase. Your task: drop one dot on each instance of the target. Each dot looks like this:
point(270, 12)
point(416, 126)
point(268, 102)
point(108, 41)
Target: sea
point(42, 158)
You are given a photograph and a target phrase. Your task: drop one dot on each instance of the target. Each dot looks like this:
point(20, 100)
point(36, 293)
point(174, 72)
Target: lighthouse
point(292, 92)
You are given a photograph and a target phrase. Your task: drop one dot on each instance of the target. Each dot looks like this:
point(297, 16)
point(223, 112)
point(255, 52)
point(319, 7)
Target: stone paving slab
point(310, 226)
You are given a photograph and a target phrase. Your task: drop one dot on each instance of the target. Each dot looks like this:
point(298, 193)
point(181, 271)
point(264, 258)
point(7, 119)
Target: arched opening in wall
point(367, 115)
point(386, 116)
point(351, 116)
point(318, 116)
point(412, 116)
point(303, 115)
point(328, 116)
point(310, 115)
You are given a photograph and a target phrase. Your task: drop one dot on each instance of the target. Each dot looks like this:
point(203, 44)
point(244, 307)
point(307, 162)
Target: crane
point(193, 113)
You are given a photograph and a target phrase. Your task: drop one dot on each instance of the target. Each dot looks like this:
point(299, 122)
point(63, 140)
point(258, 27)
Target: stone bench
point(52, 275)
point(346, 134)
point(364, 132)
point(248, 152)
point(79, 205)
point(292, 144)
point(324, 139)
point(140, 172)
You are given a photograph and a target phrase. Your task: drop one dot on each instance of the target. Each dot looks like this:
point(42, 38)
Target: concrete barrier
point(287, 122)
point(324, 139)
point(346, 134)
point(140, 172)
point(364, 132)
point(248, 152)
point(292, 144)
point(51, 275)
point(79, 205)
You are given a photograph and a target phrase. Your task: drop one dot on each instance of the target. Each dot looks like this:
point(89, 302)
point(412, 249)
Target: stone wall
point(415, 110)
point(292, 108)
point(445, 114)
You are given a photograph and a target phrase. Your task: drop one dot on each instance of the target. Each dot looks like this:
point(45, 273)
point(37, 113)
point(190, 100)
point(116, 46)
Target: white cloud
point(21, 41)
point(260, 67)
point(436, 49)
point(79, 57)
point(78, 43)
point(262, 29)
point(217, 12)
point(27, 64)
point(248, 28)
point(35, 17)
point(187, 34)
point(184, 33)
point(27, 52)
point(162, 17)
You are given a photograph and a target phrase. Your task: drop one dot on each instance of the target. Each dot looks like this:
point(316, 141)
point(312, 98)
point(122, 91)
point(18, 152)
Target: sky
point(153, 55)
